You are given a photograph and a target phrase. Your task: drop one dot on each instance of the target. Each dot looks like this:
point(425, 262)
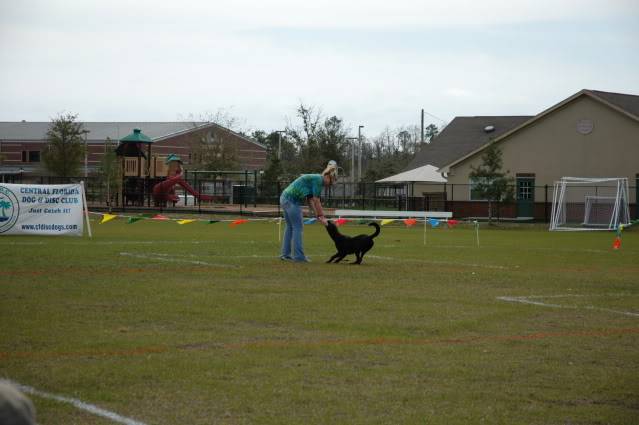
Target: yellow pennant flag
point(387, 221)
point(107, 217)
point(185, 221)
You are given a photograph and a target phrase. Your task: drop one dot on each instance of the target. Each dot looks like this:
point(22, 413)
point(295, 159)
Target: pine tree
point(490, 181)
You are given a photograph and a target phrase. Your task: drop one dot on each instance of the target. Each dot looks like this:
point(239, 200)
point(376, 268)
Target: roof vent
point(489, 128)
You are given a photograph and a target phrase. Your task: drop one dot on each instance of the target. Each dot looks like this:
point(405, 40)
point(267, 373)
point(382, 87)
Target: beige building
point(590, 134)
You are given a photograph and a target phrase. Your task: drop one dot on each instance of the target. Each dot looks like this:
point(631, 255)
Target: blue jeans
point(294, 230)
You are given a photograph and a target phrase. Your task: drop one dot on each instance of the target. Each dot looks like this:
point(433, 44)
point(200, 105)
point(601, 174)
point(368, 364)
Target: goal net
point(581, 203)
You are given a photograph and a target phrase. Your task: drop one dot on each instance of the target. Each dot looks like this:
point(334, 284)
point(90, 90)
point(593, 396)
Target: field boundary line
point(449, 341)
point(383, 341)
point(531, 300)
point(78, 404)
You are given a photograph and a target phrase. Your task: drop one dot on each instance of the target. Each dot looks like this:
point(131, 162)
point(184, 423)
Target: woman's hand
point(323, 220)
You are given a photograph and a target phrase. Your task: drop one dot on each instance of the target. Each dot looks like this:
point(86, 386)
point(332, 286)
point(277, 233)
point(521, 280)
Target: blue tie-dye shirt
point(304, 186)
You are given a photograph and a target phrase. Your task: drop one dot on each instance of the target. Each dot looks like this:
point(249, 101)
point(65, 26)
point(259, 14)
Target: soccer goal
point(581, 203)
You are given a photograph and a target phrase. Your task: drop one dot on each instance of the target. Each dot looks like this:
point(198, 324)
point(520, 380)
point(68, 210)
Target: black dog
point(358, 245)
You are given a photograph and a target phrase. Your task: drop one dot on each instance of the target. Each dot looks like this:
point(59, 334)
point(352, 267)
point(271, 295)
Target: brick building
point(22, 143)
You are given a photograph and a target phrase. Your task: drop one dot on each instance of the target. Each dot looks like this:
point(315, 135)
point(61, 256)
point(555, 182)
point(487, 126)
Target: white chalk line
point(78, 404)
point(177, 260)
point(531, 300)
point(440, 263)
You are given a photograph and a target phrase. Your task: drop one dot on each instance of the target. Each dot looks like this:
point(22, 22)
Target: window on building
point(30, 156)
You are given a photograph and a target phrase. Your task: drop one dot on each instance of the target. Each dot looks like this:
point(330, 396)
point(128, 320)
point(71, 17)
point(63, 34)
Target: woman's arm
point(317, 207)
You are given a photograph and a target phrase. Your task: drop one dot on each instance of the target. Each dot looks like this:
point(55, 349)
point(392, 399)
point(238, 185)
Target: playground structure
point(164, 191)
point(147, 177)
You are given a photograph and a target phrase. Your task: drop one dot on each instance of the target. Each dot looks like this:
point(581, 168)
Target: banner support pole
point(86, 209)
point(425, 219)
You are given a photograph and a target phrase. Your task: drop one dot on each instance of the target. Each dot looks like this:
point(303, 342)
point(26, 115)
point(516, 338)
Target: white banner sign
point(27, 209)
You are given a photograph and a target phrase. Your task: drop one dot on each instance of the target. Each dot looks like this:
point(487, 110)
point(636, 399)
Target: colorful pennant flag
point(212, 221)
point(433, 222)
point(341, 221)
point(185, 221)
point(132, 220)
point(363, 221)
point(159, 217)
point(617, 243)
point(452, 223)
point(107, 218)
point(310, 220)
point(238, 222)
point(386, 221)
point(410, 222)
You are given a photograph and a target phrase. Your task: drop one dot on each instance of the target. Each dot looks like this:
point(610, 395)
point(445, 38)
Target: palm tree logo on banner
point(9, 209)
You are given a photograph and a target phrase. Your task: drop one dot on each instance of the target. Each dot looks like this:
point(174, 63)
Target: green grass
point(203, 324)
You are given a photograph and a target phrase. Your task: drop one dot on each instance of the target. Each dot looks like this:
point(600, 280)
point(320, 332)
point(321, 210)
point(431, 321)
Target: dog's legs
point(340, 258)
point(360, 255)
point(333, 257)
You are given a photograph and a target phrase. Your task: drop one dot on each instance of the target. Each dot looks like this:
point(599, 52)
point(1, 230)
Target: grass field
point(203, 324)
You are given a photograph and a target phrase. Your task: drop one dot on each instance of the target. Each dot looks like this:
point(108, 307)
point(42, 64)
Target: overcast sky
point(375, 63)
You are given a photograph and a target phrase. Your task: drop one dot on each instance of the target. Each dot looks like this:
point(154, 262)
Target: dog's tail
point(376, 226)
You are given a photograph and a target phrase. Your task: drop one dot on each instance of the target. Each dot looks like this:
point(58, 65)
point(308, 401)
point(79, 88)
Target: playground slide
point(194, 192)
point(164, 191)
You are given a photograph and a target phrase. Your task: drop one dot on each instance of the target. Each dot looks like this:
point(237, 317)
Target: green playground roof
point(136, 137)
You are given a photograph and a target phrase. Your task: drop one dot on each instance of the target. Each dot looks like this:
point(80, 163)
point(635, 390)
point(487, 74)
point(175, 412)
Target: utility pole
point(422, 139)
point(359, 163)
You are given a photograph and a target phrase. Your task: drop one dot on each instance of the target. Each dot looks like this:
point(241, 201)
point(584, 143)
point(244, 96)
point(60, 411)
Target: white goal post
point(583, 203)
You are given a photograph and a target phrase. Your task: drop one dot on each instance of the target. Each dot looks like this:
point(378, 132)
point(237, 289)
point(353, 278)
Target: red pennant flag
point(159, 217)
point(452, 223)
point(238, 222)
point(617, 243)
point(341, 221)
point(410, 222)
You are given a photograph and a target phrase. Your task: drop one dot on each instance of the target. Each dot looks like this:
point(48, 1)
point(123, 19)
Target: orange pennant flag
point(238, 222)
point(617, 243)
point(410, 222)
point(452, 223)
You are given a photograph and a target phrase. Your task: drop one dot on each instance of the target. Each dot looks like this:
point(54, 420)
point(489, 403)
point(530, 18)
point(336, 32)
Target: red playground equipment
point(165, 191)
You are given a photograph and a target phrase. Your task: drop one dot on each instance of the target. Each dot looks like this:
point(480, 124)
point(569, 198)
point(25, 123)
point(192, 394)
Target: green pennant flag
point(213, 221)
point(363, 221)
point(134, 219)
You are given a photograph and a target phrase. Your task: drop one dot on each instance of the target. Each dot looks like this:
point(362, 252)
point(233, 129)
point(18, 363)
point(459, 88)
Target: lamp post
point(352, 139)
point(279, 143)
point(359, 161)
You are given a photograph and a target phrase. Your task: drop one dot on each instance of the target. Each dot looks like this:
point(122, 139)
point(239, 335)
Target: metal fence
point(247, 190)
